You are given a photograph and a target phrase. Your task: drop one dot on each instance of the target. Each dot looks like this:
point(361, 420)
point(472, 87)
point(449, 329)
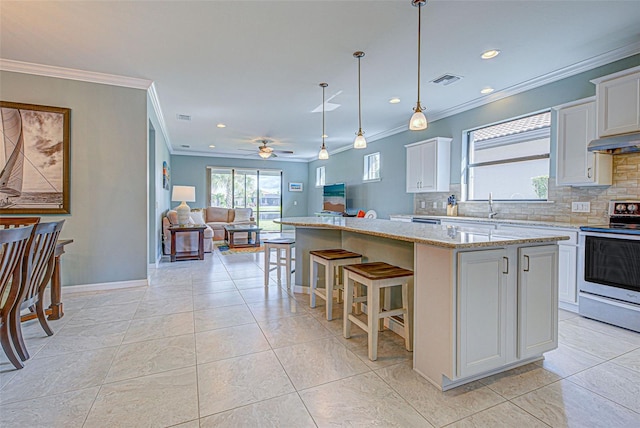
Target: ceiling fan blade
point(285, 152)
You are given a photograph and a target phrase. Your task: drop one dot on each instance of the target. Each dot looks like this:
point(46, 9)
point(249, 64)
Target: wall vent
point(185, 146)
point(446, 79)
point(183, 117)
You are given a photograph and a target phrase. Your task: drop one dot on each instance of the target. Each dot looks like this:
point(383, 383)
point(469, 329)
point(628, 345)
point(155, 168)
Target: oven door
point(609, 265)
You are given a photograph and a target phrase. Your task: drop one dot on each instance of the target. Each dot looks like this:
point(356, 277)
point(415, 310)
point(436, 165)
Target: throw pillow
point(196, 217)
point(242, 214)
point(172, 215)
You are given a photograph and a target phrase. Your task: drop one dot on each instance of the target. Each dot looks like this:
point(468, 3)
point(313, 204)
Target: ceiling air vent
point(185, 146)
point(183, 117)
point(446, 79)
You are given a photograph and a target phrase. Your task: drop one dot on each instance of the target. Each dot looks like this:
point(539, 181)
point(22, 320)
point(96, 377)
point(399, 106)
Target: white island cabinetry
point(502, 313)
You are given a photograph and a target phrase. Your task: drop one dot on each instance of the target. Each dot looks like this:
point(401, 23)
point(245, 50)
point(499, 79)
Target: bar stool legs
point(284, 248)
point(377, 277)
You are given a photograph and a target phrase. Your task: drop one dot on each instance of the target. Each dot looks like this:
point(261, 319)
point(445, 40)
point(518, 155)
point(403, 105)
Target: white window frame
point(320, 176)
point(368, 174)
point(543, 132)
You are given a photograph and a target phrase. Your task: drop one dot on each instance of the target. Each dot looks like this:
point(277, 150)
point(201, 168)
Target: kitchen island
point(483, 302)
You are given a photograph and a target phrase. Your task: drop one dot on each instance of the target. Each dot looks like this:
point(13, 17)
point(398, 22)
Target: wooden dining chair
point(37, 268)
point(11, 222)
point(13, 245)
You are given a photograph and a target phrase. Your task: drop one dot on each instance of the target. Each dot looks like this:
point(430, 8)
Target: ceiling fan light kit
point(418, 121)
point(359, 142)
point(324, 153)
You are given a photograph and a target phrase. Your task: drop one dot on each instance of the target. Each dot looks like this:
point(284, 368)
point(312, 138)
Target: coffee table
point(229, 230)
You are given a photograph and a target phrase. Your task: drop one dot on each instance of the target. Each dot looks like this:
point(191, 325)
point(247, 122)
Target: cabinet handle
point(506, 264)
point(527, 259)
point(589, 173)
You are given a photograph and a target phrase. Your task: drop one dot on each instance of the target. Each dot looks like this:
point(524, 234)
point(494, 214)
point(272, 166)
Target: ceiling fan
point(266, 152)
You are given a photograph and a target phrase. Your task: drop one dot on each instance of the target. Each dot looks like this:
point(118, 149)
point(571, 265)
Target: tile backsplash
point(626, 185)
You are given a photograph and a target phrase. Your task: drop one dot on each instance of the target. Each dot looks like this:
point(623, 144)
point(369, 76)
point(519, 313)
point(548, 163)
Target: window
point(320, 176)
point(371, 167)
point(510, 160)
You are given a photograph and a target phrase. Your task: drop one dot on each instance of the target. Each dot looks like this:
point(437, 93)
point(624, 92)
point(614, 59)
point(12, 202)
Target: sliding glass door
point(260, 190)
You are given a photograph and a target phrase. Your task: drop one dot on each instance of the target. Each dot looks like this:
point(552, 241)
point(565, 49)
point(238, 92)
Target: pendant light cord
point(419, 32)
point(359, 100)
point(323, 86)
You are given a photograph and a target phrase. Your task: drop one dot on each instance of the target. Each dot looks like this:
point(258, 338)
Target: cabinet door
point(619, 105)
point(414, 169)
point(537, 300)
point(567, 273)
point(576, 128)
point(481, 311)
point(429, 156)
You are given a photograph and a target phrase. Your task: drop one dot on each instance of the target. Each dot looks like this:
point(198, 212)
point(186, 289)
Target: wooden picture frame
point(34, 159)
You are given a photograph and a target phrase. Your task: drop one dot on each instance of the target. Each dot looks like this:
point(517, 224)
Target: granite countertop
point(430, 234)
point(538, 223)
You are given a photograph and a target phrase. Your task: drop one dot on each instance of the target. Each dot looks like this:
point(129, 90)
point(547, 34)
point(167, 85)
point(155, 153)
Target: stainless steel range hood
point(626, 143)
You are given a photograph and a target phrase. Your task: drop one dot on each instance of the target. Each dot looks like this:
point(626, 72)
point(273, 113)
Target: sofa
point(217, 218)
point(185, 241)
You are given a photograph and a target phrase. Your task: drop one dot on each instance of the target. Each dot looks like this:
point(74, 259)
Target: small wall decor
point(165, 175)
point(295, 187)
point(34, 159)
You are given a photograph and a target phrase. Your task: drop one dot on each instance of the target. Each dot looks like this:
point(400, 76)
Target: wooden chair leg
point(42, 317)
point(15, 332)
point(7, 346)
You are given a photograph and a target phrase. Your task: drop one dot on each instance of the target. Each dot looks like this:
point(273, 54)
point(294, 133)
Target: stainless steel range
point(609, 267)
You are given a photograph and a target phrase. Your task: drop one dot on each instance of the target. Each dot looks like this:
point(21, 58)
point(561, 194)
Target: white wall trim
point(104, 286)
point(72, 74)
point(246, 157)
point(155, 102)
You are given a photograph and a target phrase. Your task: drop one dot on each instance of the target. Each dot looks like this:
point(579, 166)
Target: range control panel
point(624, 208)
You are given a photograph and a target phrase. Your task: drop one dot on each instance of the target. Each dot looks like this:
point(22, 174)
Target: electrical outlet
point(444, 204)
point(435, 205)
point(580, 207)
point(295, 202)
point(423, 204)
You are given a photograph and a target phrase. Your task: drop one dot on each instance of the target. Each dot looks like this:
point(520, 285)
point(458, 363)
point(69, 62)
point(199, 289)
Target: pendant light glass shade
point(324, 153)
point(359, 142)
point(264, 155)
point(418, 121)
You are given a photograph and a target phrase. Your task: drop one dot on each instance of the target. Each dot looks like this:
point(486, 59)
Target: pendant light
point(359, 142)
point(418, 120)
point(324, 154)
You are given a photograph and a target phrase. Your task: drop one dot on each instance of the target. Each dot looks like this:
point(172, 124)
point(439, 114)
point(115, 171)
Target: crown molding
point(71, 74)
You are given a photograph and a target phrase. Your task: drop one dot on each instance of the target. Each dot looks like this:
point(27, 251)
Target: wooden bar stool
point(283, 247)
point(332, 260)
point(377, 276)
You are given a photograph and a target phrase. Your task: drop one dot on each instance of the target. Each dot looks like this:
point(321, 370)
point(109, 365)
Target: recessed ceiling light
point(212, 146)
point(490, 54)
point(486, 91)
point(394, 100)
point(221, 125)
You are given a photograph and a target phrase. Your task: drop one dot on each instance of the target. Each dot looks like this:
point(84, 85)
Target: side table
point(187, 255)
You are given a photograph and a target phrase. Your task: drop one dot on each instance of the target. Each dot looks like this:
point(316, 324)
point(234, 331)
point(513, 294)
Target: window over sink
point(509, 159)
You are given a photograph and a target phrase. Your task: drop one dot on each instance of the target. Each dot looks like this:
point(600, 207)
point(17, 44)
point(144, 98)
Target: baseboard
point(104, 286)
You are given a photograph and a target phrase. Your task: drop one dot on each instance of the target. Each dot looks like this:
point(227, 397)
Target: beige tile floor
point(206, 344)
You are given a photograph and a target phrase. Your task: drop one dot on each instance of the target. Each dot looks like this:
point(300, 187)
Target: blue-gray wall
point(192, 171)
point(388, 196)
point(108, 143)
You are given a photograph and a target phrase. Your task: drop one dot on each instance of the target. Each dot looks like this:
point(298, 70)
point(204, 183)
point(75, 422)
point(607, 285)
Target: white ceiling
point(256, 65)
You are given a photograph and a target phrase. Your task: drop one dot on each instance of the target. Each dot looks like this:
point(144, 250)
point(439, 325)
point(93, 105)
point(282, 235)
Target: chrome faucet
point(492, 213)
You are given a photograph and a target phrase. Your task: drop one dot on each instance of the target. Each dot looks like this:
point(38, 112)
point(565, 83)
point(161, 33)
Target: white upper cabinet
point(575, 166)
point(428, 165)
point(618, 102)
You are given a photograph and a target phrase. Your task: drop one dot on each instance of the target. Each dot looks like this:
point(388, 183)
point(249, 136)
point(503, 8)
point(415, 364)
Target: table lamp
point(184, 194)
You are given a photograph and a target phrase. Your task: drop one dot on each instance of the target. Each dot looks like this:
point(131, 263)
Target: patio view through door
point(259, 189)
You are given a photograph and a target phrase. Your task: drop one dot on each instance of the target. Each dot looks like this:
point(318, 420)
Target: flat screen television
point(334, 198)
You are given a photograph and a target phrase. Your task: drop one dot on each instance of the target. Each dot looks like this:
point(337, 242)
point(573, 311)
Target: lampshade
point(183, 193)
point(324, 153)
point(359, 142)
point(418, 120)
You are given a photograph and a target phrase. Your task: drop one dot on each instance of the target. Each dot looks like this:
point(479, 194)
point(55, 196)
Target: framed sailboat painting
point(34, 159)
